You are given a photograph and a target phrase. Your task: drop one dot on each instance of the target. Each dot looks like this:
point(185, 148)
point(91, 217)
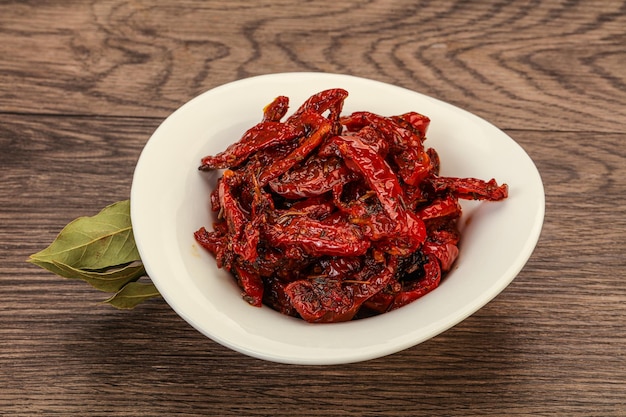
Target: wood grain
point(84, 84)
point(521, 65)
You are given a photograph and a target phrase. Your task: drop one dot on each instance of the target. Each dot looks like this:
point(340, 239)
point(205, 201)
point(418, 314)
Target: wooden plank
point(520, 67)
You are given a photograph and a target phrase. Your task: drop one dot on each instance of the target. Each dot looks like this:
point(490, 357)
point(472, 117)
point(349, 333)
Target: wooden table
point(83, 84)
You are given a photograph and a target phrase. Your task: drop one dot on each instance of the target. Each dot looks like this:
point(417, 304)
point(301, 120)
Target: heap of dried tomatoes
point(331, 218)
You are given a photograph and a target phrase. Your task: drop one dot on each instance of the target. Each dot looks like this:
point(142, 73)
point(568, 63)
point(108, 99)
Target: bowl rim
point(279, 350)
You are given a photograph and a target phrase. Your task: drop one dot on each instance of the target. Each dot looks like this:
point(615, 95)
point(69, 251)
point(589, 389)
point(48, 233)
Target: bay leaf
point(132, 294)
point(94, 243)
point(100, 250)
point(109, 280)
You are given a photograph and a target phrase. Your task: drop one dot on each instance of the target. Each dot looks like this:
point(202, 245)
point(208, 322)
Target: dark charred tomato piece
point(315, 177)
point(410, 268)
point(273, 263)
point(471, 188)
point(417, 289)
point(274, 295)
point(372, 278)
point(324, 300)
point(261, 136)
point(320, 300)
point(276, 110)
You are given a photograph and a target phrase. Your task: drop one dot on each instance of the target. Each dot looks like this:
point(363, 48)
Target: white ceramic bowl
point(170, 200)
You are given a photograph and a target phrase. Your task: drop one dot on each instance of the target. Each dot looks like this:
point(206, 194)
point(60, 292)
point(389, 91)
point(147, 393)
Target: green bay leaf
point(109, 280)
point(132, 294)
point(101, 250)
point(94, 243)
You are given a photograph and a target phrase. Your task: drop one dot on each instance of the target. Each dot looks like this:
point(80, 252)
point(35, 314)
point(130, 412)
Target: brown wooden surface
point(83, 84)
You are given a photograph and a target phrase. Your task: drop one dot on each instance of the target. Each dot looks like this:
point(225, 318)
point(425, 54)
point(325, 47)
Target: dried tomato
point(332, 218)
